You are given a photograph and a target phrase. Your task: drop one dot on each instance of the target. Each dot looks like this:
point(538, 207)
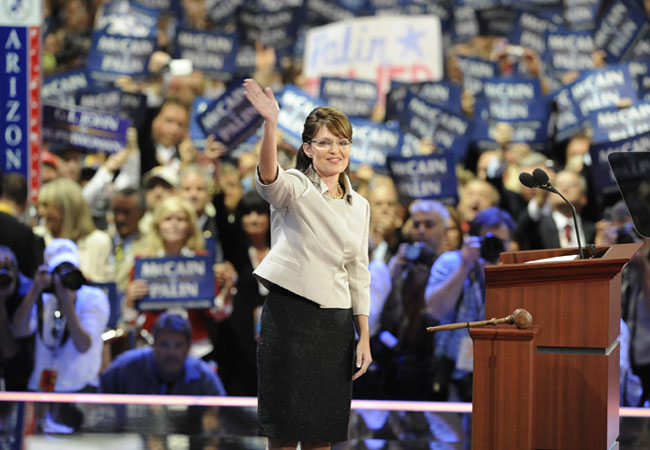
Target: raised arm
point(266, 105)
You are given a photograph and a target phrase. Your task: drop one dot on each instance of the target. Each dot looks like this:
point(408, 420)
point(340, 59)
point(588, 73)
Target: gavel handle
point(479, 323)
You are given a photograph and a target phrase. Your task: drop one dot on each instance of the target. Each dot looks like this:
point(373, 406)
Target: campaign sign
point(197, 134)
point(221, 12)
point(621, 26)
point(581, 14)
point(447, 129)
point(273, 24)
point(20, 78)
point(601, 88)
point(496, 21)
point(212, 53)
point(84, 128)
point(568, 121)
point(372, 142)
point(568, 50)
point(614, 124)
point(442, 93)
point(464, 24)
point(530, 30)
point(230, 118)
point(353, 97)
point(425, 177)
point(514, 98)
point(62, 87)
point(319, 12)
point(600, 168)
point(295, 106)
point(176, 282)
point(475, 70)
point(99, 98)
point(378, 49)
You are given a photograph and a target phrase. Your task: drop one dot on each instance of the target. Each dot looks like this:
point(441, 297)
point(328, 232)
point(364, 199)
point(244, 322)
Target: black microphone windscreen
point(540, 176)
point(527, 180)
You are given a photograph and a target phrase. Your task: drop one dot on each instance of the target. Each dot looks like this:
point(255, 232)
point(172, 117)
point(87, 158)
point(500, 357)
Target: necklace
point(339, 192)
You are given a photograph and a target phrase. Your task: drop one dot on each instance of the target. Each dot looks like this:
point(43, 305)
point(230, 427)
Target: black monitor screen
point(632, 173)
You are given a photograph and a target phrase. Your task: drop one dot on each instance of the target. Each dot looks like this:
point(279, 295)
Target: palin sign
point(186, 282)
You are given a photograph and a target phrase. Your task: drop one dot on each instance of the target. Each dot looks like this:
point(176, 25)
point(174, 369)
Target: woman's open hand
point(262, 100)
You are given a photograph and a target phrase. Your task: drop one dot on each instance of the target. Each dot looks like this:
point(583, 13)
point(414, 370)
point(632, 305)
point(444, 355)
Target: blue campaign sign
point(230, 118)
point(353, 97)
point(295, 106)
point(581, 14)
point(100, 98)
point(442, 93)
point(84, 128)
point(614, 124)
point(447, 129)
point(223, 11)
point(212, 53)
point(530, 29)
point(197, 134)
point(464, 24)
point(600, 168)
point(622, 25)
point(64, 85)
point(176, 282)
point(568, 50)
point(325, 11)
point(372, 142)
point(474, 71)
point(425, 177)
point(273, 24)
point(514, 98)
point(601, 88)
point(568, 121)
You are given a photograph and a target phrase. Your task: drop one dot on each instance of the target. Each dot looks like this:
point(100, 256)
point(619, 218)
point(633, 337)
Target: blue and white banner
point(319, 12)
point(62, 87)
point(600, 88)
point(197, 135)
point(568, 121)
point(372, 142)
point(568, 50)
point(230, 118)
point(104, 99)
point(581, 14)
point(514, 98)
point(614, 124)
point(464, 24)
point(442, 93)
point(496, 21)
point(122, 42)
point(271, 23)
point(353, 97)
point(531, 27)
point(622, 25)
point(378, 49)
point(176, 282)
point(20, 78)
point(474, 71)
point(84, 128)
point(221, 12)
point(295, 106)
point(425, 177)
point(212, 53)
point(447, 129)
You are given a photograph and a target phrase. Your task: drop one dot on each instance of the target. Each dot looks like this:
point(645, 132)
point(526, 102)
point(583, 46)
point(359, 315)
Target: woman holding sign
point(317, 274)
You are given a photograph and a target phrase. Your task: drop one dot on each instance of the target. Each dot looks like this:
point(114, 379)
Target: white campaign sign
point(379, 49)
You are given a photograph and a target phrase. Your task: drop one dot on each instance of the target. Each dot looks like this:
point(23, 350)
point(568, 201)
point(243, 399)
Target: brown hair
point(323, 116)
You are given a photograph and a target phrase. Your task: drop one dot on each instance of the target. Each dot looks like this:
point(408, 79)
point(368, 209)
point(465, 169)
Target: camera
point(491, 247)
point(419, 253)
point(71, 277)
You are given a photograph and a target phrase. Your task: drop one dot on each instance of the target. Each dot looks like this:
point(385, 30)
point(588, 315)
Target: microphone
point(539, 179)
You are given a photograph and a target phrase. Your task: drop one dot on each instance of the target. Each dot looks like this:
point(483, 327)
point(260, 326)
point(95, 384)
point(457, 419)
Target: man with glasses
point(400, 345)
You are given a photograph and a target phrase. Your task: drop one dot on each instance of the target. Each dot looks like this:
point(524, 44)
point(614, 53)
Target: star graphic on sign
point(410, 41)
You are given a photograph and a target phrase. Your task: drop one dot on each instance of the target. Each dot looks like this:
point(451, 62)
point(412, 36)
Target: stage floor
point(35, 421)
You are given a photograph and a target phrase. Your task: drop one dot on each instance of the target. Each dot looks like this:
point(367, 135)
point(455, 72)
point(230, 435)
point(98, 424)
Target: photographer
point(68, 319)
point(401, 347)
point(455, 292)
point(16, 355)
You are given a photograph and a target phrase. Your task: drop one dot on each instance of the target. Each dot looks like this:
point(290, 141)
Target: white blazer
point(319, 245)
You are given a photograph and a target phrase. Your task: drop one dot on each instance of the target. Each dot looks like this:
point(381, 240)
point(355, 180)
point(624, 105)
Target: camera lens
point(491, 248)
point(5, 278)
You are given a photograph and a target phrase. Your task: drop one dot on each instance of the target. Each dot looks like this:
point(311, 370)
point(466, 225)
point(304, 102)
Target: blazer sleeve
point(358, 273)
point(284, 190)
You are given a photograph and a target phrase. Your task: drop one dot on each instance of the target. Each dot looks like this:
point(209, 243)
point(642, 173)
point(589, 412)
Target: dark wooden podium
point(577, 305)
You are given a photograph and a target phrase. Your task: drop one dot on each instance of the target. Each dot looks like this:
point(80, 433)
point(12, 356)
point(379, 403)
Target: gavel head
point(523, 319)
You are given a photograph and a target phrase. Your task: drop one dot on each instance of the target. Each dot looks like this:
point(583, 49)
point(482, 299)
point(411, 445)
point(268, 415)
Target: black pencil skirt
point(305, 365)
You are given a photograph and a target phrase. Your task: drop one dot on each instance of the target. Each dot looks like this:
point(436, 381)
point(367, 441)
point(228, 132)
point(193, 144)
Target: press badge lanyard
point(60, 331)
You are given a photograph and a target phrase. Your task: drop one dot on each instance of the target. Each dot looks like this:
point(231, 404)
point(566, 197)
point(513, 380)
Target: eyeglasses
point(426, 223)
point(326, 144)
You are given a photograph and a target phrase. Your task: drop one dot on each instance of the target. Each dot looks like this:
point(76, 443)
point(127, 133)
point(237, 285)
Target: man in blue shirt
point(165, 368)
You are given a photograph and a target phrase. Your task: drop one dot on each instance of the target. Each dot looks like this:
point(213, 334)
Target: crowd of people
point(97, 214)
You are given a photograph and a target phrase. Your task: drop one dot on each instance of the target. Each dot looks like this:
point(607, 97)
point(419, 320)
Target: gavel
point(520, 317)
